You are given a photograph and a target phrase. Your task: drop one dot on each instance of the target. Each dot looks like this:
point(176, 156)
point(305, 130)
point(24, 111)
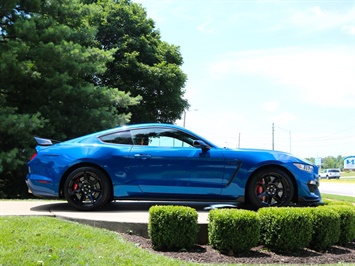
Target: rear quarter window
point(118, 138)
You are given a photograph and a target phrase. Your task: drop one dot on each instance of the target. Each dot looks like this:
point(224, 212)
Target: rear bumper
point(39, 187)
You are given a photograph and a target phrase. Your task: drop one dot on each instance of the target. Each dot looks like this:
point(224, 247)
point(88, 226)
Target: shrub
point(172, 227)
point(347, 222)
point(326, 227)
point(233, 230)
point(285, 228)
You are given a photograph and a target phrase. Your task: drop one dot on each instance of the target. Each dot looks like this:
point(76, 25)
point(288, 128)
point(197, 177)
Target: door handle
point(142, 156)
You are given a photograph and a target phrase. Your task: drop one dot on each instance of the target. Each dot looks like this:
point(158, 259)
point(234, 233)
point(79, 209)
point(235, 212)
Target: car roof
point(137, 126)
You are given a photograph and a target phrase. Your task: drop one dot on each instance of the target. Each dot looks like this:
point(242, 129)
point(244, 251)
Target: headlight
point(304, 167)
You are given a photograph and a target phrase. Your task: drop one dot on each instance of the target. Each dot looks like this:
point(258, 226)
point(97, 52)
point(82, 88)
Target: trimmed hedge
point(172, 227)
point(237, 231)
point(347, 222)
point(233, 230)
point(326, 227)
point(285, 228)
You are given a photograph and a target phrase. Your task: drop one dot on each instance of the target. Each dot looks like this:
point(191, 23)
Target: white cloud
point(283, 118)
point(317, 18)
point(206, 26)
point(317, 11)
point(349, 29)
point(270, 106)
point(164, 10)
point(324, 74)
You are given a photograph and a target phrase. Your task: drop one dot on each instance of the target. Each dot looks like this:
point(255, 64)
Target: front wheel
point(87, 189)
point(270, 187)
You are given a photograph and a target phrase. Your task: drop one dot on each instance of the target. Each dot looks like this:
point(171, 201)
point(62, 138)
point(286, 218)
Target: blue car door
point(164, 165)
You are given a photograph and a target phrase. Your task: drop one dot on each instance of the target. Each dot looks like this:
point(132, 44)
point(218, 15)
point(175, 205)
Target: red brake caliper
point(75, 186)
point(260, 189)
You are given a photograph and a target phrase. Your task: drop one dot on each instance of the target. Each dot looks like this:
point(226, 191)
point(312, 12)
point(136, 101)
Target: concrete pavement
point(119, 216)
point(25, 207)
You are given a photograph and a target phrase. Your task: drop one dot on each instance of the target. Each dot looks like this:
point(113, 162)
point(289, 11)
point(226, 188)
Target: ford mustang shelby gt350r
point(166, 162)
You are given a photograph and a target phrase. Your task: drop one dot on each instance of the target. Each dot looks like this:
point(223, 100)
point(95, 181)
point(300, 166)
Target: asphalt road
point(342, 189)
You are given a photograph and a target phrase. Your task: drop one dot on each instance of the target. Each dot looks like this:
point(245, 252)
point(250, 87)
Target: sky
point(264, 74)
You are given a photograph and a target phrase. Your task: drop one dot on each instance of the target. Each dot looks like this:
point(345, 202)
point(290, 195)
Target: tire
point(87, 189)
point(270, 187)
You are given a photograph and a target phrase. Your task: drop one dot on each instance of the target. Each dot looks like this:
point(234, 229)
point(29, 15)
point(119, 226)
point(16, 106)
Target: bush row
point(237, 231)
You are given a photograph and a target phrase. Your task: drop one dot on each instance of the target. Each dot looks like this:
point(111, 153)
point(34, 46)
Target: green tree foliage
point(16, 134)
point(143, 64)
point(49, 59)
point(333, 162)
point(330, 162)
point(311, 159)
point(50, 65)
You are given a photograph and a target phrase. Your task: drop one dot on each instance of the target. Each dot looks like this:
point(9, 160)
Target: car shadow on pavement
point(138, 206)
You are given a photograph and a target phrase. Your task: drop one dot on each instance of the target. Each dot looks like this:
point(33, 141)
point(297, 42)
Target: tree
point(51, 67)
point(339, 162)
point(49, 59)
point(16, 134)
point(311, 159)
point(332, 162)
point(143, 64)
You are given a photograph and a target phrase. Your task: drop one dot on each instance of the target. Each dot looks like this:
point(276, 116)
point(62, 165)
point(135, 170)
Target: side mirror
point(201, 144)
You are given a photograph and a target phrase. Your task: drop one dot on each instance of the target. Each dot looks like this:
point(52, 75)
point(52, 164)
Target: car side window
point(118, 138)
point(166, 141)
point(161, 137)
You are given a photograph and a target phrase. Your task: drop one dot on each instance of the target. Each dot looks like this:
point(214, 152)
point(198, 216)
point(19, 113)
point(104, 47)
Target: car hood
point(267, 154)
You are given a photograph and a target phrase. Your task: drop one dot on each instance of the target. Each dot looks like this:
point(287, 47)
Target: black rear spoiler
point(45, 142)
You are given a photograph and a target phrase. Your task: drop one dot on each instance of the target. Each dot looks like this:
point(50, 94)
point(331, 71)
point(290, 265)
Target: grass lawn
point(338, 197)
point(52, 241)
point(348, 174)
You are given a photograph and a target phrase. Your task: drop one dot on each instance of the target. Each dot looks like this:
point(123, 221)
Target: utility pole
point(239, 141)
point(184, 118)
point(273, 136)
point(185, 111)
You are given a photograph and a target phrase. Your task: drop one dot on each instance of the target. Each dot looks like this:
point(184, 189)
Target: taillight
point(33, 156)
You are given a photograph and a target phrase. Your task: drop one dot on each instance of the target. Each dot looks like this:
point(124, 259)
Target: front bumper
point(313, 197)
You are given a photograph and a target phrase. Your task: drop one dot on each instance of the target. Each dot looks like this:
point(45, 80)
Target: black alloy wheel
point(87, 189)
point(270, 187)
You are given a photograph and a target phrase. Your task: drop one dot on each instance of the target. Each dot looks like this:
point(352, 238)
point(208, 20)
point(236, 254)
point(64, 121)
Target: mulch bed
point(257, 255)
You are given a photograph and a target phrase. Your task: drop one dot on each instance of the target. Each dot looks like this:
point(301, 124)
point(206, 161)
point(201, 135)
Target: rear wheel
point(87, 188)
point(270, 187)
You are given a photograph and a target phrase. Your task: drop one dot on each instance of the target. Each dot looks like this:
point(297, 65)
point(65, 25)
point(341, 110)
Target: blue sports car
point(166, 162)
